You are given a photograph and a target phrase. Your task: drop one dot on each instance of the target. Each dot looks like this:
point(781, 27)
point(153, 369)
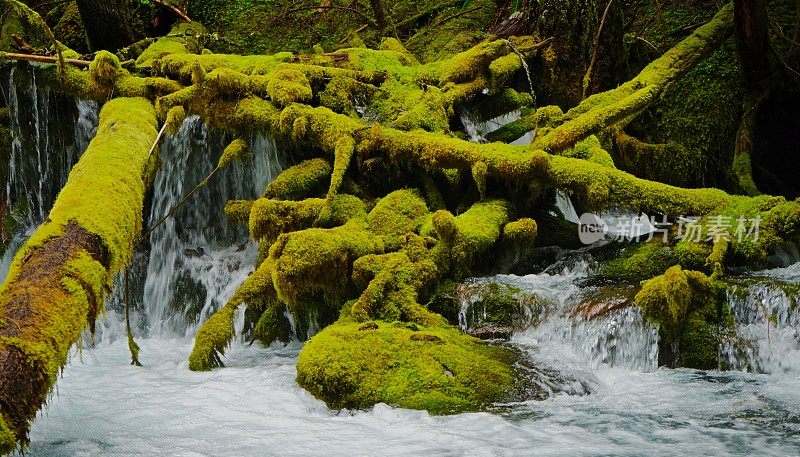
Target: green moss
point(183, 65)
point(392, 281)
point(182, 39)
point(175, 118)
point(686, 306)
point(639, 262)
point(343, 154)
point(104, 70)
point(57, 280)
point(212, 340)
point(8, 440)
point(237, 150)
point(238, 211)
point(70, 30)
point(521, 233)
point(270, 218)
point(306, 179)
point(289, 86)
point(353, 365)
point(312, 268)
point(470, 235)
point(397, 214)
point(273, 325)
point(341, 209)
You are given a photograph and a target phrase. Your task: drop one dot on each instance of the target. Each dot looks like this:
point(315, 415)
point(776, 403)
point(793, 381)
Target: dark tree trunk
point(114, 24)
point(573, 26)
point(752, 40)
point(379, 11)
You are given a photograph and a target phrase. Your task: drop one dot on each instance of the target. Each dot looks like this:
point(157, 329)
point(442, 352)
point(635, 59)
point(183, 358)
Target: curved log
point(58, 279)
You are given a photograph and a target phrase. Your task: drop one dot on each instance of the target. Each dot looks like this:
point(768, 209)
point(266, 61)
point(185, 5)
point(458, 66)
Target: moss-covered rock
point(355, 365)
point(690, 313)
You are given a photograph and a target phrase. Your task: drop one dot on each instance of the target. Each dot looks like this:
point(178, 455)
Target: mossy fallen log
point(57, 281)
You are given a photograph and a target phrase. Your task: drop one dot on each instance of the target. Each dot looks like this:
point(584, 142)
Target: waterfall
point(477, 129)
point(196, 259)
point(562, 337)
point(49, 132)
point(767, 315)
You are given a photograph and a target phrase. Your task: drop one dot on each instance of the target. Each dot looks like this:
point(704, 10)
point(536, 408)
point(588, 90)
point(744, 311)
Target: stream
point(605, 394)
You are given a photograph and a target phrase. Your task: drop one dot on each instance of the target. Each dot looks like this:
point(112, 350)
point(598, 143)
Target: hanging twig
point(459, 14)
point(180, 203)
point(134, 348)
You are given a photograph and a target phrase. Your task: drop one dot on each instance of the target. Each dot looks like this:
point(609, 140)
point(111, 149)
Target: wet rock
point(491, 333)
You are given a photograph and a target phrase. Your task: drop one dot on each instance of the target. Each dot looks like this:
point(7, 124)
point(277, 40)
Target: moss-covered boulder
point(690, 313)
point(356, 365)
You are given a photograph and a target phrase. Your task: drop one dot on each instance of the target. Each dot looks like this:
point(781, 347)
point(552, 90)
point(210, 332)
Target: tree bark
point(752, 40)
point(113, 24)
point(573, 26)
point(379, 11)
point(57, 281)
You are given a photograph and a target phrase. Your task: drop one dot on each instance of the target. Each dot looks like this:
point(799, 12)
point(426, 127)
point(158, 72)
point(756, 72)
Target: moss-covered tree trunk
point(58, 279)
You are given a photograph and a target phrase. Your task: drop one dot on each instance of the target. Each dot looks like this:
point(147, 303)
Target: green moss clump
point(354, 365)
point(341, 209)
point(343, 154)
point(313, 267)
point(470, 235)
point(237, 150)
point(104, 71)
point(238, 211)
point(8, 440)
point(289, 86)
point(306, 179)
point(182, 39)
point(212, 339)
point(270, 218)
point(397, 214)
point(175, 118)
point(639, 262)
point(687, 307)
point(521, 233)
point(273, 325)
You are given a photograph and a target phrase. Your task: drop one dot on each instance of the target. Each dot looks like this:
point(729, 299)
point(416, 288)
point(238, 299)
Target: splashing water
point(767, 316)
point(49, 133)
point(104, 406)
point(197, 259)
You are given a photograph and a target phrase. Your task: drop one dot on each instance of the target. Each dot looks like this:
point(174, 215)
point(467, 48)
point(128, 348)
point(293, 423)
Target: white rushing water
point(605, 394)
point(253, 406)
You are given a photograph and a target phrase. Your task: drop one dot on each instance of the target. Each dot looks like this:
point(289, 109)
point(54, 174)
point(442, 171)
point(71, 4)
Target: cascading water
point(195, 259)
point(766, 310)
point(104, 406)
point(49, 132)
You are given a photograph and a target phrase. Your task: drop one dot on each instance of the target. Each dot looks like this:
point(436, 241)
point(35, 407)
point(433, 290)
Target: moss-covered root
point(306, 179)
point(687, 307)
point(212, 340)
point(356, 365)
point(616, 106)
point(57, 280)
point(216, 334)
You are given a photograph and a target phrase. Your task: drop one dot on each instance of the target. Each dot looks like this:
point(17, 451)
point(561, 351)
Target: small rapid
point(585, 345)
